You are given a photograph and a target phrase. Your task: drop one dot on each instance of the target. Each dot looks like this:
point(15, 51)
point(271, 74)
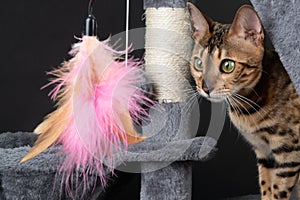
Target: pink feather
point(97, 95)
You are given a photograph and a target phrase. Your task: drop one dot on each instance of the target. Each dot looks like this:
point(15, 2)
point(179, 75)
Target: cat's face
point(226, 59)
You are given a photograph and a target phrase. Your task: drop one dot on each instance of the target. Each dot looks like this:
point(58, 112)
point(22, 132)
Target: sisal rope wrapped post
point(168, 45)
point(168, 50)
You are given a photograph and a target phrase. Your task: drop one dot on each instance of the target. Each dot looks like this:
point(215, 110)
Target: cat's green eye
point(227, 66)
point(198, 64)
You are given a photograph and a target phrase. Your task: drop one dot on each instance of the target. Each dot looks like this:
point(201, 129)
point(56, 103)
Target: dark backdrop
point(36, 36)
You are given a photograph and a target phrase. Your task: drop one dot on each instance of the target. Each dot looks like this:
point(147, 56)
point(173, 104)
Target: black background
point(37, 35)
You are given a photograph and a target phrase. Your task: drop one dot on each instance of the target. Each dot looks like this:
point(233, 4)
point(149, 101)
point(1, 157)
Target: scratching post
point(168, 45)
point(168, 50)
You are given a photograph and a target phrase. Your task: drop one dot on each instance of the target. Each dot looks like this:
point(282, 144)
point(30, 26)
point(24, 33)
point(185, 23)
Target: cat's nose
point(205, 87)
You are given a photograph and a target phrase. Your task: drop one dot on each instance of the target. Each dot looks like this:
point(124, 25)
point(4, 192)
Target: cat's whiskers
point(246, 100)
point(259, 69)
point(191, 92)
point(251, 117)
point(239, 104)
point(190, 100)
point(262, 113)
point(250, 102)
point(230, 103)
point(250, 88)
point(220, 94)
point(234, 107)
point(239, 99)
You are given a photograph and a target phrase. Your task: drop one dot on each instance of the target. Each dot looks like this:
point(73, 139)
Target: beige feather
point(132, 136)
point(49, 130)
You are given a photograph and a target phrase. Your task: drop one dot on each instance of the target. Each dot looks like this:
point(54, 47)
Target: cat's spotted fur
point(263, 103)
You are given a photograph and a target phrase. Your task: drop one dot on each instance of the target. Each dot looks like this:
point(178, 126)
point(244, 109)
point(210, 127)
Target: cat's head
point(226, 59)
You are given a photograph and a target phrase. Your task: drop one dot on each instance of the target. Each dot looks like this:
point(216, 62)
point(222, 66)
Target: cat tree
point(160, 178)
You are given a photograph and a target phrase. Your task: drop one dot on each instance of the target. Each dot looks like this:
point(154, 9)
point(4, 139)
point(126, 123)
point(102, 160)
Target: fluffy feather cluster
point(99, 99)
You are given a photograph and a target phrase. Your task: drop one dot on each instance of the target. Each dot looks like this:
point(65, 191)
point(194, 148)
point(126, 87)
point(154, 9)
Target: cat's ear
point(247, 25)
point(200, 22)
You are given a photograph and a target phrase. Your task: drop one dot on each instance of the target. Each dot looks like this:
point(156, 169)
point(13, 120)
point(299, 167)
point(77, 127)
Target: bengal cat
point(229, 63)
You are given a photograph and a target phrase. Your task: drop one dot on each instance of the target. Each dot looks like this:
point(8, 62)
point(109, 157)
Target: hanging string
point(126, 32)
point(90, 22)
point(90, 8)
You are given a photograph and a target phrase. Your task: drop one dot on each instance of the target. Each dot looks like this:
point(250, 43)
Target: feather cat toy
point(98, 100)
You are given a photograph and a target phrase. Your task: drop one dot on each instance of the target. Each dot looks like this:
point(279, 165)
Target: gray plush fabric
point(155, 156)
point(171, 136)
point(34, 179)
point(172, 182)
point(30, 180)
point(173, 151)
point(281, 22)
point(167, 180)
point(164, 3)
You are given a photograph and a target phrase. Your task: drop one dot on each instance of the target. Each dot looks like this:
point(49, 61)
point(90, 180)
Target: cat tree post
point(168, 47)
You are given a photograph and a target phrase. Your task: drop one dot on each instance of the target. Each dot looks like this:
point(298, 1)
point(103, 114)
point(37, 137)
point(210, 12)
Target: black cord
point(90, 8)
point(90, 22)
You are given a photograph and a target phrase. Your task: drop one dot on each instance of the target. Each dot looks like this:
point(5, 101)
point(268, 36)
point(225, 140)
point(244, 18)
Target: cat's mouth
point(214, 96)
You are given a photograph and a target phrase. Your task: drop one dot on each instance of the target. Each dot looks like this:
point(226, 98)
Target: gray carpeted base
point(168, 183)
point(34, 179)
point(31, 180)
point(153, 157)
